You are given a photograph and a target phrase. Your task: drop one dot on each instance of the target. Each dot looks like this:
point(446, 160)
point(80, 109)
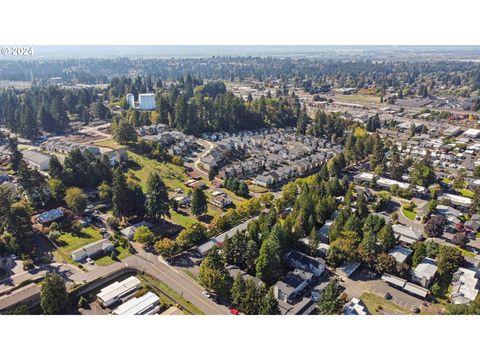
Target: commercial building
point(146, 101)
point(148, 304)
point(119, 291)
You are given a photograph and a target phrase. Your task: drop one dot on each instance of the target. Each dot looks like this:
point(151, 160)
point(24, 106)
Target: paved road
point(208, 146)
point(149, 263)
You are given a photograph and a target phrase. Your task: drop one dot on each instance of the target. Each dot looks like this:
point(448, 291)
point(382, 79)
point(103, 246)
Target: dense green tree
point(76, 199)
point(199, 202)
point(330, 302)
point(157, 205)
point(144, 235)
point(15, 155)
point(54, 299)
point(269, 304)
point(214, 276)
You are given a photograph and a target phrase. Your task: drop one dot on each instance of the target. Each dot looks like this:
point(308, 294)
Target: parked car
point(90, 261)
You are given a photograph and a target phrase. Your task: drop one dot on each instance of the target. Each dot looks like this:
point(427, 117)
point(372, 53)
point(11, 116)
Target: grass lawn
point(477, 235)
point(467, 193)
point(446, 181)
point(172, 293)
point(467, 253)
point(121, 253)
point(173, 175)
point(409, 214)
point(182, 220)
point(71, 240)
point(110, 143)
point(372, 302)
point(365, 99)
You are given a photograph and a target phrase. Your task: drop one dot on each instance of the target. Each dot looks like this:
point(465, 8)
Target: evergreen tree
point(54, 299)
point(120, 194)
point(330, 302)
point(269, 304)
point(157, 205)
point(199, 202)
point(15, 155)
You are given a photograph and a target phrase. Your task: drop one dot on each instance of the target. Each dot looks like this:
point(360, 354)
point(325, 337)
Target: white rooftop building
point(465, 285)
point(119, 291)
point(148, 304)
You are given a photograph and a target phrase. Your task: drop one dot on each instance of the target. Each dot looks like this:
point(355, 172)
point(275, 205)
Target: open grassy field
point(110, 143)
point(173, 175)
point(71, 240)
point(363, 99)
point(377, 305)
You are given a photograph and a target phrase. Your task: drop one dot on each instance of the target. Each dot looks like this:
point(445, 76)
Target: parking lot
point(365, 282)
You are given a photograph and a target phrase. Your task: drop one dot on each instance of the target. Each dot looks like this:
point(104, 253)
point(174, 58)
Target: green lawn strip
point(372, 302)
point(478, 235)
point(409, 214)
point(467, 253)
point(467, 193)
point(71, 240)
point(121, 253)
point(172, 293)
point(446, 181)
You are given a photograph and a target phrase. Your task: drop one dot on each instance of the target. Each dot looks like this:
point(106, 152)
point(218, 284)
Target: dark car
point(387, 296)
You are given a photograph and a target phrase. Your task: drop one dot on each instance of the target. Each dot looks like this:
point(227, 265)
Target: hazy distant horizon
point(132, 51)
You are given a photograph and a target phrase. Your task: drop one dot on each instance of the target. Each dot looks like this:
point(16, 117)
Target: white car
point(90, 261)
point(206, 294)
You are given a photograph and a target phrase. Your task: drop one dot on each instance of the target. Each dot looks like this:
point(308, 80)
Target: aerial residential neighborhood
point(173, 192)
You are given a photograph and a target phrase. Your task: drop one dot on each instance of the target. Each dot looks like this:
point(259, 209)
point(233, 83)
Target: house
point(422, 211)
point(472, 133)
point(355, 307)
point(347, 270)
point(304, 307)
point(99, 247)
point(407, 234)
point(128, 232)
point(457, 200)
point(299, 260)
point(292, 285)
point(235, 270)
point(36, 159)
point(220, 201)
point(324, 230)
point(182, 200)
point(148, 304)
point(473, 223)
point(50, 216)
point(452, 215)
point(400, 253)
point(425, 272)
point(265, 180)
point(465, 285)
point(119, 291)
